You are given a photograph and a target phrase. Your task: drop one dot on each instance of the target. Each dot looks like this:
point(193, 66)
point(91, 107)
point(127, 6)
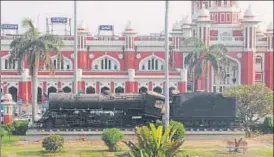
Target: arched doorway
point(90, 90)
point(142, 90)
point(158, 90)
point(13, 92)
point(39, 95)
point(104, 88)
point(119, 90)
point(52, 90)
point(67, 90)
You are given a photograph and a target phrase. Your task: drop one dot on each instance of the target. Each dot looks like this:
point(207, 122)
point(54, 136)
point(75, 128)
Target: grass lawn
point(17, 147)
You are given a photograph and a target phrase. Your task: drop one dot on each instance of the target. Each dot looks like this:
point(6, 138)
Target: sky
point(146, 16)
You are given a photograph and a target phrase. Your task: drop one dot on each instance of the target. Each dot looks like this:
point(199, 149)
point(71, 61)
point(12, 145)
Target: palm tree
point(34, 47)
point(198, 61)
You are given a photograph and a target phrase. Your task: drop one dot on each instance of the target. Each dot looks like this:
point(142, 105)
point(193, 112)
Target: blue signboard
point(9, 26)
point(105, 27)
point(59, 20)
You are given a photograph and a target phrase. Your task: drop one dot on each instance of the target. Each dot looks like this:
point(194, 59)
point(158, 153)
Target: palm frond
point(219, 50)
point(213, 61)
point(199, 68)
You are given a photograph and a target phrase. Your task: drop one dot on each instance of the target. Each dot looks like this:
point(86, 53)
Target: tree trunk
point(34, 93)
point(206, 78)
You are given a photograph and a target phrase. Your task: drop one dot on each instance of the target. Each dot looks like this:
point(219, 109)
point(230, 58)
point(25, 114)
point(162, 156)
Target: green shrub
point(20, 127)
point(111, 137)
point(180, 130)
point(268, 125)
point(53, 143)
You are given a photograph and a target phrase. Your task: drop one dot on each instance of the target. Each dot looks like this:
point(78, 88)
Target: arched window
point(6, 65)
point(152, 63)
point(64, 64)
point(106, 63)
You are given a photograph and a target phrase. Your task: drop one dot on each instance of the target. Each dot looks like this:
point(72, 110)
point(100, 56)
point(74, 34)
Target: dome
point(128, 26)
point(270, 26)
point(176, 26)
point(249, 11)
point(204, 12)
point(187, 20)
point(82, 26)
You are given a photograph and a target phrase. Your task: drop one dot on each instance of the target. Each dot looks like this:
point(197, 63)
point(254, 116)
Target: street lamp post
point(0, 100)
point(166, 117)
point(75, 49)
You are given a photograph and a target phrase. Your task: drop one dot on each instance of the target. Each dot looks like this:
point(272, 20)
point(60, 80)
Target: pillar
point(269, 58)
point(25, 87)
point(182, 84)
point(248, 66)
point(81, 85)
point(131, 84)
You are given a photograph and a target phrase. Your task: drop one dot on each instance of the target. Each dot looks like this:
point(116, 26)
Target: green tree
point(111, 137)
point(202, 55)
point(154, 142)
point(253, 102)
point(34, 47)
point(9, 129)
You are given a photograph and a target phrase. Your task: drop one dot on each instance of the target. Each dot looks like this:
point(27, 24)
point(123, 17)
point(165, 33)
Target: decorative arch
point(143, 90)
point(233, 77)
point(90, 90)
point(13, 91)
point(67, 89)
point(152, 63)
point(6, 65)
point(158, 90)
point(104, 89)
point(106, 62)
point(52, 90)
point(59, 65)
point(119, 90)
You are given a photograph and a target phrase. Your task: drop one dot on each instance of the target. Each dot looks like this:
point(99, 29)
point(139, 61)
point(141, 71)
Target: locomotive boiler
point(101, 110)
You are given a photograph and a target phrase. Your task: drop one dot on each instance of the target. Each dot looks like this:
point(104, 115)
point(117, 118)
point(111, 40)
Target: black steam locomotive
point(68, 110)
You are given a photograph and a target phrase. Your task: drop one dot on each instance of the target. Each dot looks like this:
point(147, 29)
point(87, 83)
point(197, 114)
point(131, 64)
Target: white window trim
point(66, 62)
point(144, 61)
point(97, 61)
point(3, 58)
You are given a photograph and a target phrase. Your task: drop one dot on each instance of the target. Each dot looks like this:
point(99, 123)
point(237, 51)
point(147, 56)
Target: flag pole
point(75, 48)
point(166, 116)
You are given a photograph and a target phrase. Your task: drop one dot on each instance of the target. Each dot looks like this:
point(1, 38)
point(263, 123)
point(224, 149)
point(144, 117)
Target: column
point(182, 84)
point(248, 69)
point(81, 85)
point(269, 61)
point(25, 87)
point(131, 84)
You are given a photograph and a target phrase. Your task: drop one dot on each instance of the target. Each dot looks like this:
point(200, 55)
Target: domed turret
point(82, 26)
point(176, 26)
point(249, 12)
point(128, 26)
point(203, 15)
